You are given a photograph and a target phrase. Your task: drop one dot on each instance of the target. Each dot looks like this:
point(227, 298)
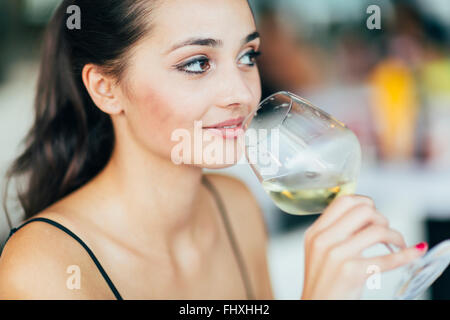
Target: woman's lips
point(228, 133)
point(228, 129)
point(228, 123)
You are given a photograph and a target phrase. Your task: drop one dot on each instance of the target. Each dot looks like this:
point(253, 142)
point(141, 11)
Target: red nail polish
point(421, 246)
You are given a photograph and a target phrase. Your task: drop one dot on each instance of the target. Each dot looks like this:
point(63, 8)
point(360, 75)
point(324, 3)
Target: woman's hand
point(334, 265)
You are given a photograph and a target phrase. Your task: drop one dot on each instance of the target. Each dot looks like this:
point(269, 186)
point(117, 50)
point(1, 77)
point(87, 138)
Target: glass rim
point(293, 96)
point(283, 92)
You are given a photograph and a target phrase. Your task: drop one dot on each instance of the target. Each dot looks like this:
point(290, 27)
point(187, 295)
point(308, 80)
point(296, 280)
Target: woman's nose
point(235, 90)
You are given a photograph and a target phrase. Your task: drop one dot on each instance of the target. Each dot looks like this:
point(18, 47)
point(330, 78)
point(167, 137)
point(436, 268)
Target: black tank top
point(234, 246)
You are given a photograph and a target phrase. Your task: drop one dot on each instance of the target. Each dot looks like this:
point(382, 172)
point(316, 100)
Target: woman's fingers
point(334, 266)
point(355, 219)
point(397, 259)
point(366, 238)
point(337, 208)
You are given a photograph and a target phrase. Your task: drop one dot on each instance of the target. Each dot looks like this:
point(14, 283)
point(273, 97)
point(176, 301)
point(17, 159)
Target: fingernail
point(421, 246)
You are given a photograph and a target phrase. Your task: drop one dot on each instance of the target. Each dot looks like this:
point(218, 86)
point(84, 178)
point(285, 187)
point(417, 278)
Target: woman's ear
point(101, 90)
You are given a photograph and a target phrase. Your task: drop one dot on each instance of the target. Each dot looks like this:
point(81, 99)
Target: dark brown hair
point(71, 140)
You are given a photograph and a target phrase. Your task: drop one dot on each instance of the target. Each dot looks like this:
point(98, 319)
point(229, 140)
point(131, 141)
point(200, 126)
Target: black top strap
point(240, 260)
point(89, 251)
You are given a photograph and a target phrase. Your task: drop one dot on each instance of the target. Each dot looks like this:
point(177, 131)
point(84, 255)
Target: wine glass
point(421, 274)
point(305, 158)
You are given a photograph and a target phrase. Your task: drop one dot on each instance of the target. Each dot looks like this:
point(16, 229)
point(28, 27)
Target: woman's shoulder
point(248, 222)
point(40, 261)
point(231, 186)
point(240, 199)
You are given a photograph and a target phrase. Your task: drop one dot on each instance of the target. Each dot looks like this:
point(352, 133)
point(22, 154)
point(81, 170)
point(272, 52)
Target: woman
point(101, 167)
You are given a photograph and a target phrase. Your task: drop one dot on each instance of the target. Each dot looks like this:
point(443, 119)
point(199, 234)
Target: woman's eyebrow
point(252, 36)
point(214, 43)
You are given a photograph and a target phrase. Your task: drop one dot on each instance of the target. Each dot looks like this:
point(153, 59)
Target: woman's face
point(198, 64)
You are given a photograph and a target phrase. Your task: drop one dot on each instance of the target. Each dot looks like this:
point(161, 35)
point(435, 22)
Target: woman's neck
point(151, 197)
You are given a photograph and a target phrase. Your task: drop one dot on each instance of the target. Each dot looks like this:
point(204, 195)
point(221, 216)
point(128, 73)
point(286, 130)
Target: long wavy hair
point(71, 139)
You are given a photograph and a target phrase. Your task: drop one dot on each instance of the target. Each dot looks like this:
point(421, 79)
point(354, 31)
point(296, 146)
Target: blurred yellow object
point(435, 88)
point(435, 76)
point(394, 106)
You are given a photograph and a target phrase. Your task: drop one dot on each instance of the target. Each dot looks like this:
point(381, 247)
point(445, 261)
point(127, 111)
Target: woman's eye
point(250, 58)
point(199, 65)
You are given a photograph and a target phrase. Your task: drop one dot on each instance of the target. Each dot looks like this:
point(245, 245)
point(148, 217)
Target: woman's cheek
point(147, 119)
point(157, 119)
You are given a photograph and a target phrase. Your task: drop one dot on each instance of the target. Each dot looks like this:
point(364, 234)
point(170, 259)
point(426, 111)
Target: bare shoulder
point(242, 205)
point(40, 261)
point(239, 197)
point(248, 221)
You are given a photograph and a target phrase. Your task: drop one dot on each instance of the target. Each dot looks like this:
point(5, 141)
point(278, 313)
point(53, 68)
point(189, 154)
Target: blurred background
point(390, 85)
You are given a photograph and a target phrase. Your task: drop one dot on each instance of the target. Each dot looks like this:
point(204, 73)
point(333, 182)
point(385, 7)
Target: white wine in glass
point(303, 157)
point(307, 192)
